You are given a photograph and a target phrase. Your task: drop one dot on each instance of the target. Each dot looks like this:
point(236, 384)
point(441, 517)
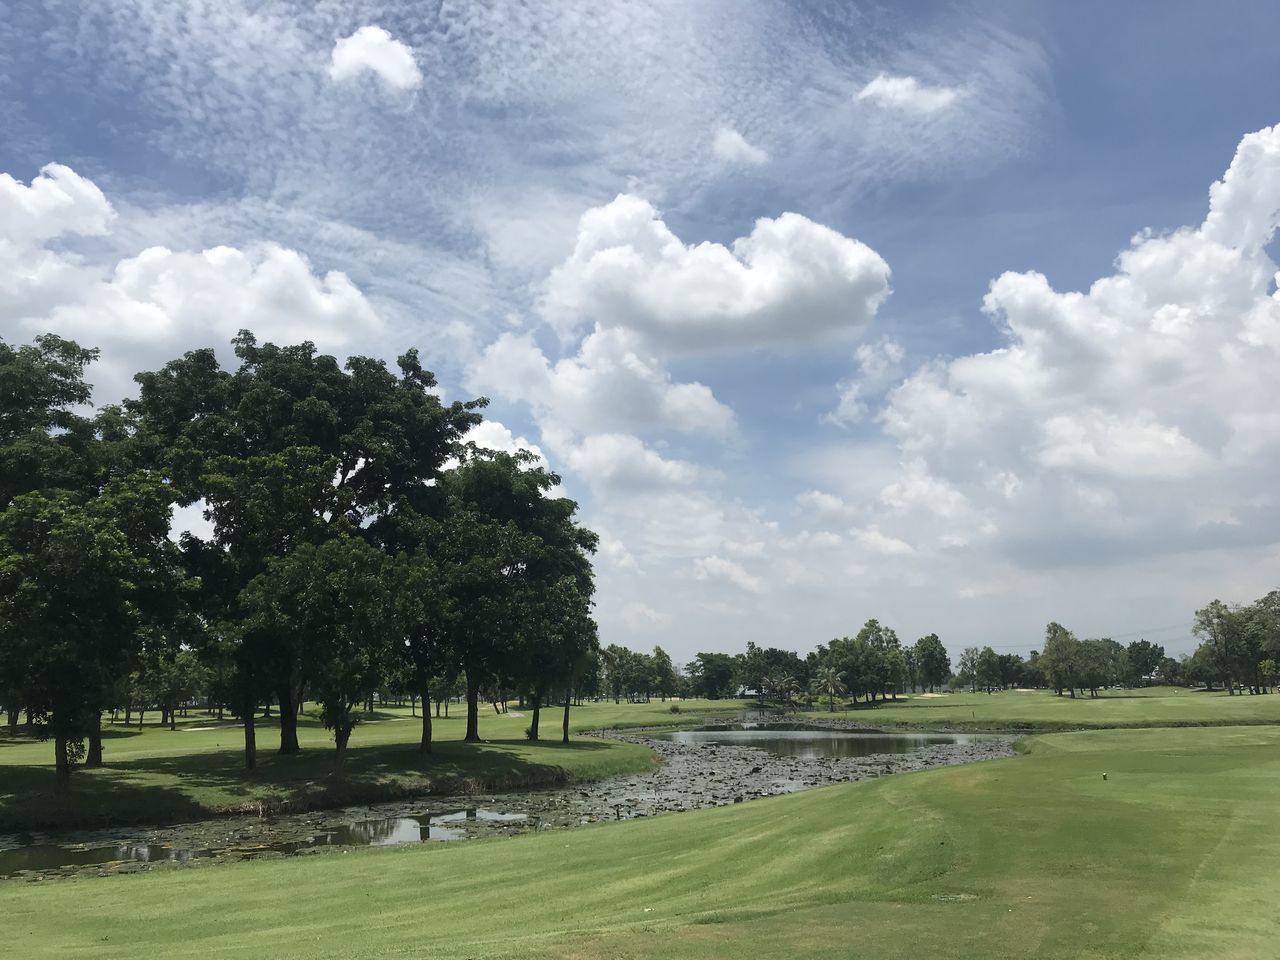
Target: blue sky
point(761, 281)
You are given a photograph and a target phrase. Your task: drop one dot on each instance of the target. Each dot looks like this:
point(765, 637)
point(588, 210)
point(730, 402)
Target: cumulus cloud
point(1134, 418)
point(718, 568)
point(731, 147)
point(59, 201)
point(617, 463)
point(151, 307)
point(789, 282)
point(879, 366)
point(373, 50)
point(907, 94)
point(612, 384)
point(494, 435)
point(34, 273)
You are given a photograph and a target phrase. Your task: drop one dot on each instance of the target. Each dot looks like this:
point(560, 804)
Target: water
point(811, 744)
point(23, 854)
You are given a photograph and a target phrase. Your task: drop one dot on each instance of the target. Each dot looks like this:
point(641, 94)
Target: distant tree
point(830, 684)
point(1144, 661)
point(969, 668)
point(664, 673)
point(934, 664)
point(1060, 659)
point(1221, 629)
point(712, 675)
point(987, 668)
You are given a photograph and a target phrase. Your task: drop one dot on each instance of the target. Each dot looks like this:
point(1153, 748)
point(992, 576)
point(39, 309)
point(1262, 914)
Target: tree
point(934, 664)
point(968, 672)
point(987, 668)
point(1060, 660)
point(293, 448)
point(711, 675)
point(73, 583)
point(1144, 661)
point(664, 673)
point(337, 603)
point(831, 684)
point(1222, 630)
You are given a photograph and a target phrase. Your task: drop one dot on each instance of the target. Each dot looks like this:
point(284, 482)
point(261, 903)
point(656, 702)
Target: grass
point(1172, 856)
point(1041, 710)
point(156, 775)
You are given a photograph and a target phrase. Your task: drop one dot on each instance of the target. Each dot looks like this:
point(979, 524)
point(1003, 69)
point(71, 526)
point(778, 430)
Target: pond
point(810, 743)
point(248, 840)
point(699, 768)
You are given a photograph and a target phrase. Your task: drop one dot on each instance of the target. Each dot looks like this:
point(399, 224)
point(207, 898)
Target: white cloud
point(1135, 418)
point(373, 50)
point(718, 568)
point(618, 463)
point(641, 617)
point(613, 384)
point(59, 201)
point(152, 307)
point(790, 282)
point(879, 366)
point(732, 147)
point(493, 435)
point(908, 94)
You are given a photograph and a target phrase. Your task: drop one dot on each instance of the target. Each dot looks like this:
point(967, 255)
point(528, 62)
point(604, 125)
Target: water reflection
point(374, 832)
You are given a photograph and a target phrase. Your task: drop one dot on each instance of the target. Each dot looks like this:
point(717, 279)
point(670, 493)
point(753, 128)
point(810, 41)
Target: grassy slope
point(157, 775)
point(1172, 856)
point(1041, 710)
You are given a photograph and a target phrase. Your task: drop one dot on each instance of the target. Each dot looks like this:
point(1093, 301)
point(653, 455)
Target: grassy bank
point(1171, 856)
point(1044, 711)
point(156, 775)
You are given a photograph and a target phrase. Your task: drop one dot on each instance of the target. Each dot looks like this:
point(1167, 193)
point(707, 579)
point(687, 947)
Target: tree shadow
point(97, 798)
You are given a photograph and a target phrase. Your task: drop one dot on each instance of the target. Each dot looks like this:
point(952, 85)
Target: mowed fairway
point(157, 774)
point(1173, 855)
point(1043, 710)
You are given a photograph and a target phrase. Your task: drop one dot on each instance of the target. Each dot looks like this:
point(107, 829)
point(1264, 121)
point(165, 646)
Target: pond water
point(700, 768)
point(374, 831)
point(810, 744)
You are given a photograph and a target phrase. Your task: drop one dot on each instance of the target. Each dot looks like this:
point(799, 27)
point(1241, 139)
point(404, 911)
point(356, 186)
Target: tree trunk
point(425, 745)
point(61, 765)
point(93, 758)
point(173, 718)
point(13, 721)
point(288, 720)
point(537, 713)
point(250, 734)
point(341, 734)
point(473, 711)
point(564, 724)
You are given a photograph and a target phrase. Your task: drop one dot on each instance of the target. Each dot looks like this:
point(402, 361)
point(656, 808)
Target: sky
point(960, 316)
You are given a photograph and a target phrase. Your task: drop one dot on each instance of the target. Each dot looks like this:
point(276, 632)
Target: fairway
point(1043, 710)
point(157, 775)
point(1171, 856)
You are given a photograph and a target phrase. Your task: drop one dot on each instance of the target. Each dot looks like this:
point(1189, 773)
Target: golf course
point(1142, 841)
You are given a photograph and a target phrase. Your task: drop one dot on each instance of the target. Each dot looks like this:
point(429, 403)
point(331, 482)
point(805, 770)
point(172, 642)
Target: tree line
point(359, 544)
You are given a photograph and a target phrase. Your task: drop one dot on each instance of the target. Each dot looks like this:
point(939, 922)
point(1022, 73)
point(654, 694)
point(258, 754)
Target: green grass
point(157, 775)
point(1173, 856)
point(1041, 710)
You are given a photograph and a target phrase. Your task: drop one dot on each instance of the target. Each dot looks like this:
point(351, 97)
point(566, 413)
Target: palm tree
point(831, 682)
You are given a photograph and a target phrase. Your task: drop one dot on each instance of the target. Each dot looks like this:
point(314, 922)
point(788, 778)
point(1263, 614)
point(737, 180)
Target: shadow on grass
point(206, 784)
point(98, 798)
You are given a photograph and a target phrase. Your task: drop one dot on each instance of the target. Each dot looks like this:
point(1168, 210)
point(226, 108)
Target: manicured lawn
point(1043, 710)
point(158, 775)
point(1172, 856)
